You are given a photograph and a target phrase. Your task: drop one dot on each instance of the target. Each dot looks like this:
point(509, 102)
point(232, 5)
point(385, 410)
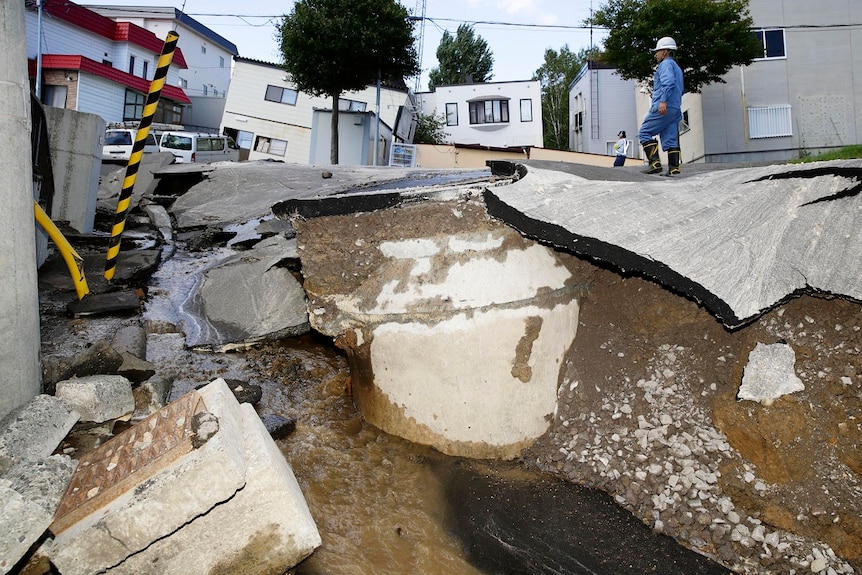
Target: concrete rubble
point(210, 462)
point(769, 373)
point(32, 481)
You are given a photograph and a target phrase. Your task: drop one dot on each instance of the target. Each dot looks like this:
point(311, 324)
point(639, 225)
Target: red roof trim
point(115, 31)
point(75, 62)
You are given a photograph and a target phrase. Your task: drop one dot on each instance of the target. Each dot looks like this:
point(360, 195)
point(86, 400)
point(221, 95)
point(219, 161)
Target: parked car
point(118, 144)
point(198, 147)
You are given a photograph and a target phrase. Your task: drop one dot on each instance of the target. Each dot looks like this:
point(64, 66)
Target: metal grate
point(769, 122)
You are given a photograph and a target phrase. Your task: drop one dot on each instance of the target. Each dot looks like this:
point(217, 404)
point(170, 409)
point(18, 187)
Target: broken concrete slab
point(145, 483)
point(272, 304)
point(111, 184)
point(770, 373)
point(241, 191)
point(29, 495)
point(98, 398)
point(34, 430)
point(31, 479)
point(270, 526)
point(739, 241)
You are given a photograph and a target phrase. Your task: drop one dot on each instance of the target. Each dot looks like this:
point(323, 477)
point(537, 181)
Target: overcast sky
point(517, 31)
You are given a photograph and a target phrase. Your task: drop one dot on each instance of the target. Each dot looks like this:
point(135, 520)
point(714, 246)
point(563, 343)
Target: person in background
point(665, 111)
point(620, 149)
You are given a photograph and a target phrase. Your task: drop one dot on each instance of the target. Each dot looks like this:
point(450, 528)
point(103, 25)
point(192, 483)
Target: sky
point(517, 31)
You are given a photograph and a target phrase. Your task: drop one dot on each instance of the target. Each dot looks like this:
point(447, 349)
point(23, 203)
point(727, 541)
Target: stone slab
point(273, 306)
point(147, 482)
point(265, 528)
point(34, 430)
point(29, 495)
point(98, 398)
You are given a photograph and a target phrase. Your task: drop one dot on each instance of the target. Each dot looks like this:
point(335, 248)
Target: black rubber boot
point(674, 160)
point(651, 151)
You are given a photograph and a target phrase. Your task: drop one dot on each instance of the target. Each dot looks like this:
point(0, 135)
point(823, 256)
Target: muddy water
point(377, 504)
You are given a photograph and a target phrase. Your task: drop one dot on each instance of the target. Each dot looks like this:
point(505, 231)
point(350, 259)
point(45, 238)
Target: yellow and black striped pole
point(137, 153)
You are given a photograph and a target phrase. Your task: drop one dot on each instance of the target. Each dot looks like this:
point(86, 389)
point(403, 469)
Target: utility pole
point(19, 295)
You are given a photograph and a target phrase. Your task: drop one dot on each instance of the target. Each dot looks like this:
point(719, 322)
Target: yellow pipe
point(74, 262)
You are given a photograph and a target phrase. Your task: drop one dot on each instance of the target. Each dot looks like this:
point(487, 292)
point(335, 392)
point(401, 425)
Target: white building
point(601, 104)
point(95, 65)
point(208, 56)
point(270, 119)
point(494, 114)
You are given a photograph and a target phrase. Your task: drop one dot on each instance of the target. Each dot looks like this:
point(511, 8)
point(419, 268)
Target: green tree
point(430, 130)
point(712, 36)
point(555, 75)
point(463, 59)
point(334, 46)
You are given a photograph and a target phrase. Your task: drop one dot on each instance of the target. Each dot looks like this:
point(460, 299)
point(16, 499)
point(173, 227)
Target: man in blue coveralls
point(665, 111)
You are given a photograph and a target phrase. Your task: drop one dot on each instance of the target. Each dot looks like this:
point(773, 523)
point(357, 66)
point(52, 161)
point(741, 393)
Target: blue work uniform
point(666, 87)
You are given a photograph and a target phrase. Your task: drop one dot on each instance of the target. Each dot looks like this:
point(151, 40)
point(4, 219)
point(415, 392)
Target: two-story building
point(92, 64)
point(270, 119)
point(208, 58)
point(493, 114)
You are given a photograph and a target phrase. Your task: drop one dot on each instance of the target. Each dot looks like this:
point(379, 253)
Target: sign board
point(402, 155)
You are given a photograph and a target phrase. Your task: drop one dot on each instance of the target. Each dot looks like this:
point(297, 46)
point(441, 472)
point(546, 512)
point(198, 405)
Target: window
point(351, 105)
point(281, 95)
point(184, 83)
point(772, 42)
point(221, 61)
point(205, 90)
point(451, 114)
point(146, 66)
point(132, 65)
point(55, 96)
point(270, 146)
point(203, 49)
point(684, 126)
point(489, 112)
point(133, 108)
point(578, 121)
point(769, 122)
point(526, 110)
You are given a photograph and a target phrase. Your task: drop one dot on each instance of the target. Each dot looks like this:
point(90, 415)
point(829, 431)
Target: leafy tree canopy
point(430, 130)
point(555, 75)
point(462, 59)
point(712, 36)
point(334, 46)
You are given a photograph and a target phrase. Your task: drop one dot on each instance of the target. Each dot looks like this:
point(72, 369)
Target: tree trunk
point(333, 150)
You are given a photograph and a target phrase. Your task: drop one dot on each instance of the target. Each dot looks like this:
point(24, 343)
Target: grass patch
point(848, 153)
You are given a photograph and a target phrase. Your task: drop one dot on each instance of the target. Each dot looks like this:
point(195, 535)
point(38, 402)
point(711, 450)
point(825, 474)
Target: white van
point(118, 143)
point(197, 147)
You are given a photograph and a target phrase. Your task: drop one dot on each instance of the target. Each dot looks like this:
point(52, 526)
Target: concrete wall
point(820, 79)
point(76, 156)
point(19, 301)
point(443, 156)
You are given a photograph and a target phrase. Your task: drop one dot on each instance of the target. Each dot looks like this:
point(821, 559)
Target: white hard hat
point(666, 43)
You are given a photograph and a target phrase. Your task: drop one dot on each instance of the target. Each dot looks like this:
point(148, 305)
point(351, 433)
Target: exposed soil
point(789, 473)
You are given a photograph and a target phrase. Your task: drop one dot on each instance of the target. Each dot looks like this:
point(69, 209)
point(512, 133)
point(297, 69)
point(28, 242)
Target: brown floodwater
point(377, 502)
